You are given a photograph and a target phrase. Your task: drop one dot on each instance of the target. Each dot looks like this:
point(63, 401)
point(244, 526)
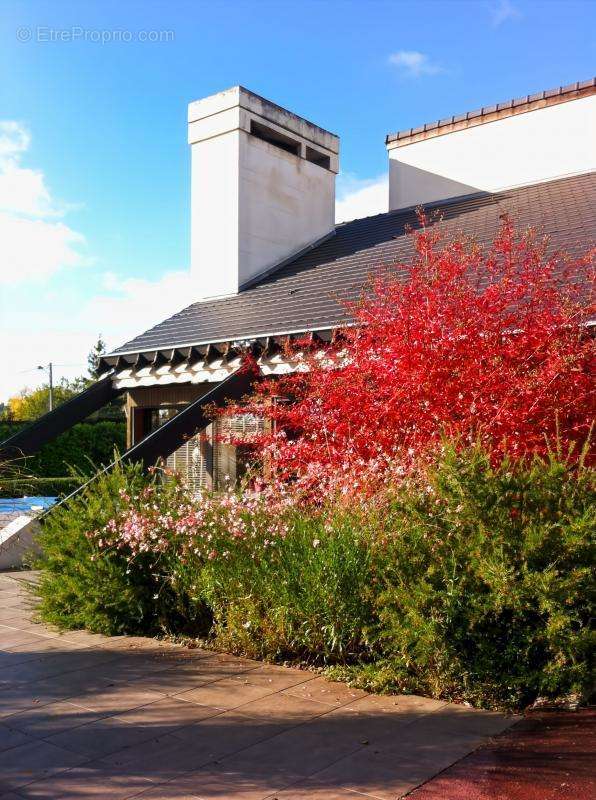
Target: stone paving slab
point(89, 716)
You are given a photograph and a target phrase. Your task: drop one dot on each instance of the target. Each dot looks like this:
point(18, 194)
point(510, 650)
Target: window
point(193, 461)
point(161, 415)
point(147, 420)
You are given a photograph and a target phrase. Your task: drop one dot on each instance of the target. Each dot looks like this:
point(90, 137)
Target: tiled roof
point(307, 293)
point(479, 116)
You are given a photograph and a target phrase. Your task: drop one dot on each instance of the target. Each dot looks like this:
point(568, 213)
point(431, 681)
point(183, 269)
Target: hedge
point(82, 448)
point(38, 487)
point(469, 582)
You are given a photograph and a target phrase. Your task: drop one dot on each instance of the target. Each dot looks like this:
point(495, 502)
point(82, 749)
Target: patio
point(88, 716)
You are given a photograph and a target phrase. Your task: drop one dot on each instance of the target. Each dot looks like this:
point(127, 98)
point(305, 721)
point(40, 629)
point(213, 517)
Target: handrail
point(29, 440)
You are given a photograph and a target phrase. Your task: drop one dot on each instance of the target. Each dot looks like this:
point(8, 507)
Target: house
point(269, 264)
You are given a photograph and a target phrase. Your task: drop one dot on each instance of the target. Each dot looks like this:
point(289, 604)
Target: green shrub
point(466, 582)
point(485, 582)
point(304, 596)
point(81, 586)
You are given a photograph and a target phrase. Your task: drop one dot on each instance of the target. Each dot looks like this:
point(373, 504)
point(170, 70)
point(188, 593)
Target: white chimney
point(263, 188)
point(529, 140)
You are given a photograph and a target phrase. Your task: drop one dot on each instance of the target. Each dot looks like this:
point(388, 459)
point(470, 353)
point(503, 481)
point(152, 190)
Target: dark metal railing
point(31, 439)
point(170, 436)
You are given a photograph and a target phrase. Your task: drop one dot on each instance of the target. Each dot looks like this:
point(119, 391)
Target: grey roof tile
point(309, 293)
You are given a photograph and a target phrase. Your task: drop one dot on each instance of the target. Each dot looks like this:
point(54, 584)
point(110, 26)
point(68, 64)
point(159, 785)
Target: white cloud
point(413, 64)
point(128, 306)
point(14, 138)
point(32, 246)
point(503, 11)
point(24, 191)
point(123, 308)
point(33, 249)
point(361, 197)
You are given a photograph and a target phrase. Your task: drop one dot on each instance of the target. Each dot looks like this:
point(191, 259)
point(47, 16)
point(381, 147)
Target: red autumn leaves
point(477, 344)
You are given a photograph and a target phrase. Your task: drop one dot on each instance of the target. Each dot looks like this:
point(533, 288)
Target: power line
point(34, 369)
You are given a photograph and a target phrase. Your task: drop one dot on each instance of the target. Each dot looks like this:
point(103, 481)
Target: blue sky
point(94, 166)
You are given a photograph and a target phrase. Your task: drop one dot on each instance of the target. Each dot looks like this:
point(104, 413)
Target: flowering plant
point(165, 517)
point(479, 344)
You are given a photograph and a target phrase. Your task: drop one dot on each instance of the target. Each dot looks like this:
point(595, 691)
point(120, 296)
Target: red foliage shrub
point(479, 344)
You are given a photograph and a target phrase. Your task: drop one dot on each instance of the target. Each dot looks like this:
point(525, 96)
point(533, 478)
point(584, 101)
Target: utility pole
point(50, 369)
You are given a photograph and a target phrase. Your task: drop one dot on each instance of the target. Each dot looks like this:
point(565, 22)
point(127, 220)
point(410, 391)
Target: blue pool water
point(24, 505)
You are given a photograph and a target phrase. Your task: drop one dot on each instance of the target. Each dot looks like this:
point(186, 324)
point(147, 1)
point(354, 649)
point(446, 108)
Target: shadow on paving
point(83, 715)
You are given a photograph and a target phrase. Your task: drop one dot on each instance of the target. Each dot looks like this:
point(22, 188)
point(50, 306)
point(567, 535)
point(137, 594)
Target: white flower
point(315, 542)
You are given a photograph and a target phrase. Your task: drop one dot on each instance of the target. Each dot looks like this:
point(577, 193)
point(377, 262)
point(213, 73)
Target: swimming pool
point(25, 505)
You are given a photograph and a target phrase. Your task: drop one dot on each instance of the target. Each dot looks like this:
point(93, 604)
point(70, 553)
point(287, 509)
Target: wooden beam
point(141, 361)
point(159, 360)
point(194, 356)
point(105, 365)
point(122, 363)
point(177, 357)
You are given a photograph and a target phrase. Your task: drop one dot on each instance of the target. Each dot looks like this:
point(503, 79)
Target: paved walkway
point(87, 716)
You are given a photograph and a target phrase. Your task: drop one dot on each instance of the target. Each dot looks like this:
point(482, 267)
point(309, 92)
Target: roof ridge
point(514, 105)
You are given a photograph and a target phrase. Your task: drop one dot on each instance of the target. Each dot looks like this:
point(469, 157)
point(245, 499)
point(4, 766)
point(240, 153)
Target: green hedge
point(80, 590)
point(81, 449)
point(484, 583)
point(469, 583)
point(38, 487)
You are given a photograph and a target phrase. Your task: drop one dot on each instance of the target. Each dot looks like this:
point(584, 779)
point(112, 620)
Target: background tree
point(114, 410)
point(30, 404)
point(83, 448)
point(95, 354)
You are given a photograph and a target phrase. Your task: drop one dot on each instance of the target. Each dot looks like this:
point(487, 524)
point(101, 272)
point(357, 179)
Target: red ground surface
point(545, 756)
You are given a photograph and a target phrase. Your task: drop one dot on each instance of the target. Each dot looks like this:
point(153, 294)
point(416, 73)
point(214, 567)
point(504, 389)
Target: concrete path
point(87, 716)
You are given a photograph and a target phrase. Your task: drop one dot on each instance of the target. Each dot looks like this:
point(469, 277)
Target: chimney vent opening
point(274, 137)
point(315, 157)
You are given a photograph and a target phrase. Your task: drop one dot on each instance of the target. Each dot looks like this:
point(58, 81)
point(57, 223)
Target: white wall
point(214, 215)
point(253, 204)
point(527, 148)
point(285, 204)
point(18, 542)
